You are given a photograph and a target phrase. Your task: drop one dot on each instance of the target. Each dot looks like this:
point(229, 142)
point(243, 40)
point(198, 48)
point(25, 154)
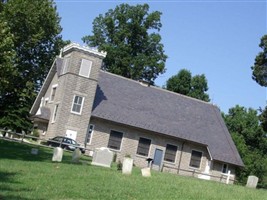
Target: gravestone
point(57, 155)
point(102, 157)
point(127, 166)
point(146, 172)
point(34, 151)
point(252, 181)
point(76, 155)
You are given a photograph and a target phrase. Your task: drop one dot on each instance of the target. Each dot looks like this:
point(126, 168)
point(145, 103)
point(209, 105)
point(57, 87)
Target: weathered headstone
point(57, 155)
point(76, 155)
point(34, 151)
point(146, 172)
point(252, 181)
point(127, 166)
point(102, 157)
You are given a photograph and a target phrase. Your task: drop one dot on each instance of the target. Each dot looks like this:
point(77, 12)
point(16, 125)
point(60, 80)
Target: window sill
point(169, 163)
point(75, 113)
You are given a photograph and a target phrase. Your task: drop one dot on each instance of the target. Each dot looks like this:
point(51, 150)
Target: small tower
point(73, 92)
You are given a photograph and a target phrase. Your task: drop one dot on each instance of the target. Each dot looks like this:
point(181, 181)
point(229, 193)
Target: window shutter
point(85, 68)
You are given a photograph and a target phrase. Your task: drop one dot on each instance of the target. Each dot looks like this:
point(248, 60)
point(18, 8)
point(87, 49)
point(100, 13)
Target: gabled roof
point(56, 68)
point(128, 102)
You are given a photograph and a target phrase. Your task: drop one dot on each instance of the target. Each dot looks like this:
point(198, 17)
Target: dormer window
point(85, 68)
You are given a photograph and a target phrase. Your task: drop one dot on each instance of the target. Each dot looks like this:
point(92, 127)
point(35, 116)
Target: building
point(99, 109)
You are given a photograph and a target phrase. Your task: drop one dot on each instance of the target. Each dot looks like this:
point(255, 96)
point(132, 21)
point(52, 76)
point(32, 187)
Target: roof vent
point(144, 83)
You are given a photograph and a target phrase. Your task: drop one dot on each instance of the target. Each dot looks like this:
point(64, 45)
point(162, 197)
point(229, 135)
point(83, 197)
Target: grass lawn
point(24, 176)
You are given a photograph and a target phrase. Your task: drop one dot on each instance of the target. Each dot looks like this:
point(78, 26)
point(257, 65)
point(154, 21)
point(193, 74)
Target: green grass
point(24, 176)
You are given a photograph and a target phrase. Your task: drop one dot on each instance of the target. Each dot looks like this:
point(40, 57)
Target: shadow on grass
point(22, 151)
point(7, 179)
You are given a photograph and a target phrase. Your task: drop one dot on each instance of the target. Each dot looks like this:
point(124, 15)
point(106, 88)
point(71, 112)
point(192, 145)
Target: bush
point(35, 133)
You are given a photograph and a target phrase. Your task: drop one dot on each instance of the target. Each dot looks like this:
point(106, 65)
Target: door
point(71, 134)
point(158, 158)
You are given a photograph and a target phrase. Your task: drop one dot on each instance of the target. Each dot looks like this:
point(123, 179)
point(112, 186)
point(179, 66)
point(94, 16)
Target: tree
point(33, 28)
point(250, 139)
point(180, 83)
point(184, 83)
point(129, 35)
point(259, 69)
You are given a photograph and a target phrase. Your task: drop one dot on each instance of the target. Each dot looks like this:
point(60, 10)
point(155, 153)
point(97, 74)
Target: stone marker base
point(204, 176)
point(58, 154)
point(146, 172)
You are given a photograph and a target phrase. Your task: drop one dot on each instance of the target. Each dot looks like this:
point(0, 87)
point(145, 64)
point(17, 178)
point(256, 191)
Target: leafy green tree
point(199, 87)
point(180, 83)
point(34, 29)
point(129, 35)
point(259, 69)
point(249, 137)
point(184, 83)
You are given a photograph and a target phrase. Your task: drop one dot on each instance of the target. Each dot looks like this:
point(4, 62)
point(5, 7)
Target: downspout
point(180, 157)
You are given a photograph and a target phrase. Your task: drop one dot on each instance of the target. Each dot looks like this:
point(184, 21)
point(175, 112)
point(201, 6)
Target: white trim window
point(170, 153)
point(195, 160)
point(77, 104)
point(143, 146)
point(55, 113)
point(65, 65)
point(85, 68)
point(225, 168)
point(90, 133)
point(53, 92)
point(115, 139)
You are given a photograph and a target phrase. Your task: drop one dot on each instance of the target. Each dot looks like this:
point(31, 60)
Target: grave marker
point(57, 155)
point(252, 181)
point(102, 157)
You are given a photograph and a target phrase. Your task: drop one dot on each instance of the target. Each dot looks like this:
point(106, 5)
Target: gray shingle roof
point(128, 102)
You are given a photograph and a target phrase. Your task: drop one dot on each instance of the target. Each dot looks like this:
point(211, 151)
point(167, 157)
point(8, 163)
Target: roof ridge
point(162, 89)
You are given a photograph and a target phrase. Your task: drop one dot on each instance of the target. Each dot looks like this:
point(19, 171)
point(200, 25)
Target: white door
point(71, 134)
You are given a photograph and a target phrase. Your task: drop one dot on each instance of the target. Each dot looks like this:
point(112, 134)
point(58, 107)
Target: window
point(55, 113)
point(77, 104)
point(143, 146)
point(46, 101)
point(65, 65)
point(115, 140)
point(89, 133)
point(170, 153)
point(85, 68)
point(224, 168)
point(53, 92)
point(195, 159)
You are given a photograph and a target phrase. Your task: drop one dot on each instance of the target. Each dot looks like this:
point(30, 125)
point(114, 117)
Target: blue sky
point(217, 38)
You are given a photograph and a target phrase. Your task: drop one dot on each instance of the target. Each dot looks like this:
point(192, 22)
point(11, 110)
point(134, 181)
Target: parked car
point(65, 143)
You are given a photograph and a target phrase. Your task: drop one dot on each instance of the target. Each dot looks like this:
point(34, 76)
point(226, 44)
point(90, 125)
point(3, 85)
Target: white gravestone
point(76, 155)
point(127, 165)
point(146, 172)
point(206, 174)
point(102, 157)
point(58, 154)
point(34, 151)
point(252, 181)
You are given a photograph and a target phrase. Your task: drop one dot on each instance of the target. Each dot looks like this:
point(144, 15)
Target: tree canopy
point(259, 69)
point(250, 138)
point(184, 83)
point(30, 40)
point(130, 36)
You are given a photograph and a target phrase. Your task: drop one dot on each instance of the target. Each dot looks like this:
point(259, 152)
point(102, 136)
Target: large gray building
point(99, 109)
